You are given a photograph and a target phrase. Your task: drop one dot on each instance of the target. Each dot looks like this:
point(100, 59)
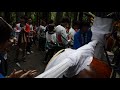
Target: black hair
point(50, 27)
point(75, 23)
point(5, 31)
point(50, 21)
point(84, 23)
point(22, 17)
point(25, 18)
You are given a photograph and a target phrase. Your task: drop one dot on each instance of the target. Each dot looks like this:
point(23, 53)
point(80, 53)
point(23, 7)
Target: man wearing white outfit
point(17, 31)
point(50, 42)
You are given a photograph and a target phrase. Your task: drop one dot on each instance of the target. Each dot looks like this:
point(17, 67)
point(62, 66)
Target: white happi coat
point(17, 31)
point(71, 35)
point(61, 31)
point(50, 38)
point(41, 31)
point(71, 62)
point(101, 27)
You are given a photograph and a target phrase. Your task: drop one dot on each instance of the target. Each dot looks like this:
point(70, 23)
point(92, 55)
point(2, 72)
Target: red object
point(27, 29)
point(97, 69)
point(59, 39)
point(16, 27)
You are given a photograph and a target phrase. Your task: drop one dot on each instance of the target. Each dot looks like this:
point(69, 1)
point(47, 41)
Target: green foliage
point(13, 17)
point(84, 18)
point(53, 16)
point(39, 15)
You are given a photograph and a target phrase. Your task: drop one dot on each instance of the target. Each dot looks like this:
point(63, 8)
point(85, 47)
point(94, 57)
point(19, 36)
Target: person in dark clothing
point(83, 36)
point(5, 33)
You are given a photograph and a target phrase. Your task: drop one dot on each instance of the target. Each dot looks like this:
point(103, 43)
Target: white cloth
point(51, 37)
point(17, 31)
point(71, 35)
point(18, 27)
point(31, 27)
point(70, 62)
point(100, 27)
point(41, 31)
point(60, 30)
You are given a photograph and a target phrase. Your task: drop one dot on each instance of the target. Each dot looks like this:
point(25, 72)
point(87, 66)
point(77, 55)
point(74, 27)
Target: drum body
point(97, 69)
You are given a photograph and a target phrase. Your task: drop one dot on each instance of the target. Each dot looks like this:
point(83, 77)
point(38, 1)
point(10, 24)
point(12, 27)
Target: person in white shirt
point(21, 45)
point(61, 34)
point(42, 37)
point(31, 34)
point(50, 42)
point(72, 31)
point(17, 31)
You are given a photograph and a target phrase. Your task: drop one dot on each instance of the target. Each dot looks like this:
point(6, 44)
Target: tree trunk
point(45, 16)
point(38, 18)
point(7, 17)
point(80, 16)
point(49, 18)
point(18, 15)
point(59, 15)
point(75, 15)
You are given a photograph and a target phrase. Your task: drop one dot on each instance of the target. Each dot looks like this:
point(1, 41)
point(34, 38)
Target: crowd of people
point(51, 37)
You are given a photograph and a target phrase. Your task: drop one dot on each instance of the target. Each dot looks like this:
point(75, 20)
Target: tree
point(75, 15)
point(80, 16)
point(45, 16)
point(7, 17)
point(59, 15)
point(18, 15)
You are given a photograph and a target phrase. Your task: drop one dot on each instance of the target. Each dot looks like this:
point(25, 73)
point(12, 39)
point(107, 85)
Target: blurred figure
point(49, 22)
point(35, 29)
point(61, 35)
point(42, 37)
point(73, 30)
point(29, 35)
point(83, 36)
point(18, 28)
point(50, 42)
point(21, 45)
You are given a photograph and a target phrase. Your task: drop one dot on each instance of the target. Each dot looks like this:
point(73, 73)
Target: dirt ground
point(33, 61)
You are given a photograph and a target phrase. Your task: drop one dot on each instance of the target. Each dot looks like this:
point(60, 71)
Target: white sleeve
point(54, 38)
point(72, 64)
point(64, 37)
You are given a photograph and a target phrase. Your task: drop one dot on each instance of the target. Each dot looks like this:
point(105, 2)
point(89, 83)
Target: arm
point(64, 37)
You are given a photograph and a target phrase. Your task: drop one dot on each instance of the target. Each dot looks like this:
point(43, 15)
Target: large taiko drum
point(97, 69)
